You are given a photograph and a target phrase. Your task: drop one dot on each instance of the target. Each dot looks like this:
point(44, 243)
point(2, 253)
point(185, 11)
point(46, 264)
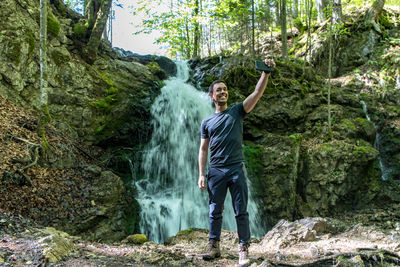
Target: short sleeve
point(242, 112)
point(203, 130)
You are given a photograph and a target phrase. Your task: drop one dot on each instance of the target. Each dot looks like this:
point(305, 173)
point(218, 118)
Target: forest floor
point(307, 242)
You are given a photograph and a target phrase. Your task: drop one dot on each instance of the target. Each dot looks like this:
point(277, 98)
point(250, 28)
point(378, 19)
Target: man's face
point(220, 94)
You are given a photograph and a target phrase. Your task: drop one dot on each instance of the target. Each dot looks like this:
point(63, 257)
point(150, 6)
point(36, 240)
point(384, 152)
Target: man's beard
point(220, 103)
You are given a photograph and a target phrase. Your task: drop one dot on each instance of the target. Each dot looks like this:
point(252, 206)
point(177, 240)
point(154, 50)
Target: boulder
point(56, 245)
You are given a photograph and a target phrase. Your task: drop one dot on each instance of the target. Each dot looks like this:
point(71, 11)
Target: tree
point(322, 9)
point(196, 40)
point(277, 13)
point(295, 9)
point(330, 76)
point(309, 6)
point(44, 113)
point(337, 15)
point(373, 14)
point(97, 14)
point(284, 30)
point(253, 30)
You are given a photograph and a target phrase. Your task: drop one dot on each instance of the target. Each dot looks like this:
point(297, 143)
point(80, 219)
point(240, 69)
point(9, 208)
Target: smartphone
point(260, 65)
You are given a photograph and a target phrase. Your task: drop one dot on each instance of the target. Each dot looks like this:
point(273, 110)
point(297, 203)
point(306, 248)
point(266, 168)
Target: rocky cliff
point(298, 166)
point(104, 104)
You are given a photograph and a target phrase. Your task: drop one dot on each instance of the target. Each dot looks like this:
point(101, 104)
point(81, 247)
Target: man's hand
point(201, 182)
point(269, 61)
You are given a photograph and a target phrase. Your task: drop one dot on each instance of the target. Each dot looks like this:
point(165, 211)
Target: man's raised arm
point(203, 156)
point(250, 102)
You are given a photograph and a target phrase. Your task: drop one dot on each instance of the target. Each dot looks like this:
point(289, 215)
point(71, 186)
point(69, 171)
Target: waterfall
point(168, 194)
point(385, 170)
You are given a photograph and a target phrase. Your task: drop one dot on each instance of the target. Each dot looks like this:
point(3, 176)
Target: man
point(222, 133)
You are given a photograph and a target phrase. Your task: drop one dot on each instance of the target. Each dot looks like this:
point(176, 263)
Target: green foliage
point(297, 138)
point(384, 20)
point(53, 25)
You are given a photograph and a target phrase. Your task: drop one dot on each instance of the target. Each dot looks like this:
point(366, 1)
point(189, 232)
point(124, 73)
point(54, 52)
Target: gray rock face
point(104, 221)
point(94, 103)
point(297, 167)
point(106, 103)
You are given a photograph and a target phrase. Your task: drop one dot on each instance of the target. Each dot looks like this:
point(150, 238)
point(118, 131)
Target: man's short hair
point(210, 89)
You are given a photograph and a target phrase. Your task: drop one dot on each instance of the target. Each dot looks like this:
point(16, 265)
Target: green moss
point(348, 124)
point(364, 123)
point(14, 52)
point(59, 58)
point(30, 39)
point(137, 239)
point(80, 30)
point(111, 98)
point(185, 232)
point(112, 90)
point(363, 149)
point(53, 25)
point(106, 104)
point(253, 155)
point(327, 147)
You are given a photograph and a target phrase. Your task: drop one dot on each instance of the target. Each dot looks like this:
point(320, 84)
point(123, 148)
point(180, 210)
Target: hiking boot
point(244, 255)
point(213, 250)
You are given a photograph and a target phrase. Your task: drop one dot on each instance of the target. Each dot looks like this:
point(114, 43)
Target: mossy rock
point(157, 70)
point(253, 155)
point(137, 239)
point(59, 58)
point(30, 39)
point(14, 52)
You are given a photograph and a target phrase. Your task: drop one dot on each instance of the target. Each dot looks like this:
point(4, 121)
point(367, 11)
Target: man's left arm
point(250, 102)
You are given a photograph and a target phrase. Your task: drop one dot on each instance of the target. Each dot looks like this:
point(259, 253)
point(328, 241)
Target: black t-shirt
point(225, 131)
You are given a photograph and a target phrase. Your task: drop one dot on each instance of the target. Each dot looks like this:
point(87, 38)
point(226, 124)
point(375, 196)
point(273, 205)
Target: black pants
point(219, 180)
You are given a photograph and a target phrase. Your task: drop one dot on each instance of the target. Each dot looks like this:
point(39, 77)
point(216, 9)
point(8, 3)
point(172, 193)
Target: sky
point(123, 30)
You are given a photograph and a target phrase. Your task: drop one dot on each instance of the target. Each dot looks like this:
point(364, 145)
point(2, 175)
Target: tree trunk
point(62, 7)
point(277, 13)
point(284, 30)
point(253, 30)
point(329, 77)
point(322, 9)
point(196, 30)
point(97, 31)
point(373, 14)
point(295, 9)
point(187, 44)
point(337, 14)
point(92, 8)
point(309, 6)
point(43, 117)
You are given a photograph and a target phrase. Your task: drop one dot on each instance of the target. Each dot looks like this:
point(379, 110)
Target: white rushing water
point(168, 194)
point(385, 170)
